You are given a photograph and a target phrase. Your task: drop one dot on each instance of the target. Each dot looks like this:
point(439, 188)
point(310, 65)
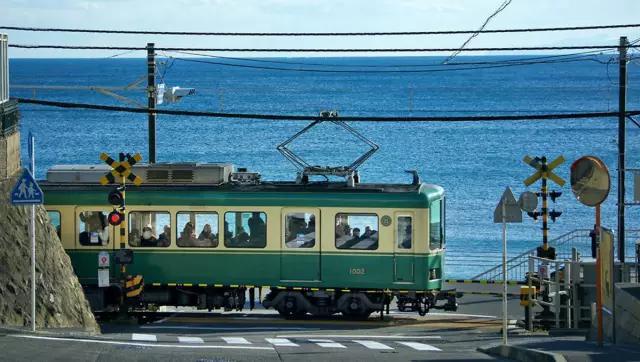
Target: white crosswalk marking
point(281, 342)
point(182, 339)
point(327, 343)
point(144, 337)
point(419, 346)
point(235, 340)
point(373, 344)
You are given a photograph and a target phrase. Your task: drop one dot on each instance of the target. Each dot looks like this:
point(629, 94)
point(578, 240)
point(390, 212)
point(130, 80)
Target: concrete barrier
point(627, 310)
point(522, 354)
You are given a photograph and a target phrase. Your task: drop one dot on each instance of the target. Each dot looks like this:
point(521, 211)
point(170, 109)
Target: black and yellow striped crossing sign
point(544, 170)
point(121, 169)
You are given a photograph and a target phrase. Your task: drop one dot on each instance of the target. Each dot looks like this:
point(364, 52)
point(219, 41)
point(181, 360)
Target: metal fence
point(4, 68)
point(579, 239)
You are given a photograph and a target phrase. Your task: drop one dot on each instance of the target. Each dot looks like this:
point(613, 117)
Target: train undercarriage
point(289, 302)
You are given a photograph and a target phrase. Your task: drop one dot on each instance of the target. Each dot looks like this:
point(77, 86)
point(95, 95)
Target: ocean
point(473, 161)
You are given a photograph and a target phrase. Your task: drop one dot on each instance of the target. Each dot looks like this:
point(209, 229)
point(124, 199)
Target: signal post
point(121, 171)
point(544, 172)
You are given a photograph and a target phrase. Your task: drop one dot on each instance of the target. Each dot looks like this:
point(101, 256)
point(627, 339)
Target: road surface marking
point(239, 328)
point(350, 336)
point(144, 337)
point(327, 343)
point(281, 342)
point(144, 344)
point(420, 346)
point(373, 344)
point(235, 340)
point(190, 340)
point(463, 315)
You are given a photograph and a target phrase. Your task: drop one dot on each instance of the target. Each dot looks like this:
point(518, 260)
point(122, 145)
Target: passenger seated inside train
point(187, 236)
point(298, 232)
point(95, 229)
point(207, 237)
point(148, 239)
point(165, 238)
point(347, 238)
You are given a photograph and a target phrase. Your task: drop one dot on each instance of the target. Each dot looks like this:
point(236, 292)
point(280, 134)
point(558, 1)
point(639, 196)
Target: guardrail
point(4, 68)
point(579, 239)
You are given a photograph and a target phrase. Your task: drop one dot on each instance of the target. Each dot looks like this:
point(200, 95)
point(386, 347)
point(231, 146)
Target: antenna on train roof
point(349, 172)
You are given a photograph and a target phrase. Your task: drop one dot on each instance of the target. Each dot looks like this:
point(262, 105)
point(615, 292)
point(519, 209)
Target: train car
point(203, 235)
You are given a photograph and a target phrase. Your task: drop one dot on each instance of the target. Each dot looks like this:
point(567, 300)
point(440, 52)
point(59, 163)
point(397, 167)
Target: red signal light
point(115, 218)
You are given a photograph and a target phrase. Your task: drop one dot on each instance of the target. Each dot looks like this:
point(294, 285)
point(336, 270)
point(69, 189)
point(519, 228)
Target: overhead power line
point(502, 6)
point(284, 117)
point(317, 50)
point(585, 54)
point(377, 71)
point(374, 33)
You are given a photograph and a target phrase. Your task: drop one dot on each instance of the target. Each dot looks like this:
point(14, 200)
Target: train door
point(300, 245)
point(403, 249)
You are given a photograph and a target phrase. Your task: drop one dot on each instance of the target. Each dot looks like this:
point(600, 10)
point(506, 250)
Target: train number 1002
point(357, 271)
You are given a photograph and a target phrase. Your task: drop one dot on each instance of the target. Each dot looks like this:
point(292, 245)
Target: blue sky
point(311, 16)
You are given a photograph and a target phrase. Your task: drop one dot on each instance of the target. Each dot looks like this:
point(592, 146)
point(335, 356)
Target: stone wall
point(60, 301)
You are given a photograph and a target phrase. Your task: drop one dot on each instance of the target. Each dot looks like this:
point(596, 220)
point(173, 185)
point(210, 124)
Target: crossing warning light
point(116, 198)
point(115, 218)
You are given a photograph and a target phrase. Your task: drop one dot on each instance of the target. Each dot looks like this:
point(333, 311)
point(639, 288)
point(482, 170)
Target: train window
point(404, 232)
point(300, 230)
point(357, 231)
point(245, 229)
point(197, 229)
point(54, 219)
point(93, 228)
point(149, 228)
point(436, 225)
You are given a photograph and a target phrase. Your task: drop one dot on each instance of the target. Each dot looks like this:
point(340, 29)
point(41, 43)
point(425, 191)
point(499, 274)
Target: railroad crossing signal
point(121, 168)
point(543, 170)
point(543, 173)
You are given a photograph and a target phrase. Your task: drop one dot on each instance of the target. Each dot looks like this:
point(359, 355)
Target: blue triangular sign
point(26, 190)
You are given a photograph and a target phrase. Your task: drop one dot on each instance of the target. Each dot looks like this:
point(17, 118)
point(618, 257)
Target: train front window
point(404, 232)
point(197, 229)
point(436, 225)
point(93, 229)
point(149, 229)
point(54, 219)
point(300, 230)
point(357, 231)
point(245, 229)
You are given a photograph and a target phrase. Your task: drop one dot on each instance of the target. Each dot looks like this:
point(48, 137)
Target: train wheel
point(423, 306)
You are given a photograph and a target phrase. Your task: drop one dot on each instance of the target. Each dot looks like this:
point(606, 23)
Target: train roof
point(80, 185)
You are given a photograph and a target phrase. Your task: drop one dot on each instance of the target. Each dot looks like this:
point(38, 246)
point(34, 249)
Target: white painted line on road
point(373, 344)
point(144, 337)
point(281, 342)
point(420, 346)
point(182, 339)
point(463, 315)
point(206, 346)
point(327, 343)
point(235, 340)
point(240, 328)
point(350, 336)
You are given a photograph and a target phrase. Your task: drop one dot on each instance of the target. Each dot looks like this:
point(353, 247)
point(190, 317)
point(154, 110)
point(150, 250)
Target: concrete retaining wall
point(627, 311)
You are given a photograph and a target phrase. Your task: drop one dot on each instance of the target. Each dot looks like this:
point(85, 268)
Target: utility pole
point(151, 95)
point(622, 110)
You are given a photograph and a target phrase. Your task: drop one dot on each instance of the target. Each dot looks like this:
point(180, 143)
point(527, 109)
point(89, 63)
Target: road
point(261, 335)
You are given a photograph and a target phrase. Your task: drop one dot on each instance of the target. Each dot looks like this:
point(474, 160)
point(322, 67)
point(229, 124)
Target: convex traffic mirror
point(590, 180)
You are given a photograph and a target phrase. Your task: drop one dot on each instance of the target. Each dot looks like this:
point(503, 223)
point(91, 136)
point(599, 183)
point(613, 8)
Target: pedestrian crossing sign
point(26, 190)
